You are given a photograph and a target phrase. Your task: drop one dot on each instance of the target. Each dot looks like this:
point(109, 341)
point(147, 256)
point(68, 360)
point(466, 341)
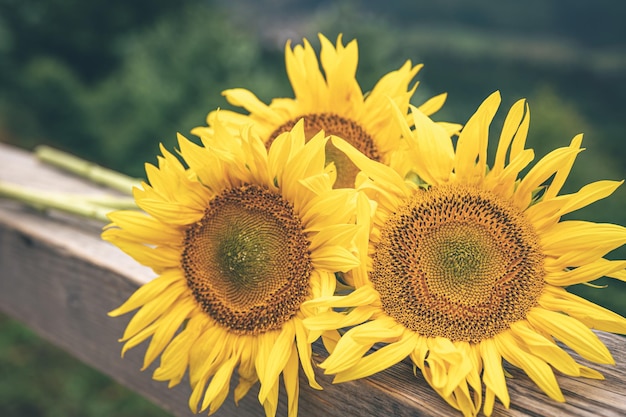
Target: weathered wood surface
point(60, 279)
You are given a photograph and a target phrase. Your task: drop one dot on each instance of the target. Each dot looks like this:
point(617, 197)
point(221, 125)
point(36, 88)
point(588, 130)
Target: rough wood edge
point(60, 279)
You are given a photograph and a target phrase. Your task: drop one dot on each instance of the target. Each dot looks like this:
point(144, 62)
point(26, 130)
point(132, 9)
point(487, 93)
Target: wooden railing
point(59, 278)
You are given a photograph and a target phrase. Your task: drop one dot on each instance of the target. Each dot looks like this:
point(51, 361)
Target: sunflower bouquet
point(356, 219)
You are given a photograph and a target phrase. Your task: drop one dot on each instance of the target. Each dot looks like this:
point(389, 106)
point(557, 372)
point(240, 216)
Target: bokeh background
point(109, 81)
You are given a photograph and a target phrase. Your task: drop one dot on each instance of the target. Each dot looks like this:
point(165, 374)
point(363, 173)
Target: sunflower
point(240, 237)
point(331, 99)
point(471, 269)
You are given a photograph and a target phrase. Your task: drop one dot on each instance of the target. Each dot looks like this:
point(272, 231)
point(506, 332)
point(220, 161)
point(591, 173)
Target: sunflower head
point(329, 98)
point(472, 262)
point(247, 261)
point(469, 267)
point(241, 237)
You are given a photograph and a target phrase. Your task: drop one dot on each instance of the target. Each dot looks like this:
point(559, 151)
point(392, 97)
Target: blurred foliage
point(81, 35)
point(40, 380)
point(577, 21)
point(110, 82)
point(169, 76)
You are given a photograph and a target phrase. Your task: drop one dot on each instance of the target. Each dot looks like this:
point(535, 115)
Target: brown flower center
point(458, 262)
point(247, 261)
point(346, 129)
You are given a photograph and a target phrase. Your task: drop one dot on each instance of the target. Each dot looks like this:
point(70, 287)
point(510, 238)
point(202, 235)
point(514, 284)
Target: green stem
point(86, 169)
point(112, 202)
point(42, 200)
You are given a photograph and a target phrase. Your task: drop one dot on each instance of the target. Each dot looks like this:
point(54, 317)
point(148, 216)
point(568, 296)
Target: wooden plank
point(60, 279)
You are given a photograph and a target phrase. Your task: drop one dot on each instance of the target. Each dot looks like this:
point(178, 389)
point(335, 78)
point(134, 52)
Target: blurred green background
point(109, 81)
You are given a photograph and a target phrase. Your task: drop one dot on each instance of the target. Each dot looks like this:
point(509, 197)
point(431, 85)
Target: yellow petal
point(360, 297)
point(418, 355)
point(433, 104)
point(322, 284)
point(505, 183)
point(304, 351)
point(139, 337)
point(471, 150)
point(175, 357)
point(534, 367)
point(154, 308)
point(172, 183)
point(358, 276)
point(621, 275)
point(307, 81)
point(511, 124)
point(265, 342)
point(395, 84)
point(334, 235)
point(383, 358)
point(224, 116)
point(382, 329)
point(308, 159)
point(571, 332)
point(158, 258)
point(219, 385)
point(490, 398)
point(328, 208)
point(271, 403)
point(581, 241)
point(394, 184)
point(317, 184)
point(588, 313)
point(196, 394)
point(212, 348)
point(452, 129)
point(242, 388)
point(544, 349)
point(283, 148)
point(448, 366)
point(432, 143)
point(292, 386)
point(244, 98)
point(331, 320)
point(168, 325)
point(148, 291)
point(204, 163)
point(472, 351)
point(463, 400)
point(541, 172)
point(548, 211)
point(340, 70)
point(519, 140)
point(586, 372)
point(170, 212)
point(335, 258)
point(585, 273)
point(346, 354)
point(247, 372)
point(277, 359)
point(587, 195)
point(145, 228)
point(493, 375)
point(563, 172)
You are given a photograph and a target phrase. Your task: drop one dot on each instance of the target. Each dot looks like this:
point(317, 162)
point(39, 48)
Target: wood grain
point(60, 279)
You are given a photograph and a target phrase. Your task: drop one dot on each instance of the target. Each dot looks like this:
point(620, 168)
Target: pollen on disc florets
point(458, 262)
point(346, 129)
point(247, 260)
